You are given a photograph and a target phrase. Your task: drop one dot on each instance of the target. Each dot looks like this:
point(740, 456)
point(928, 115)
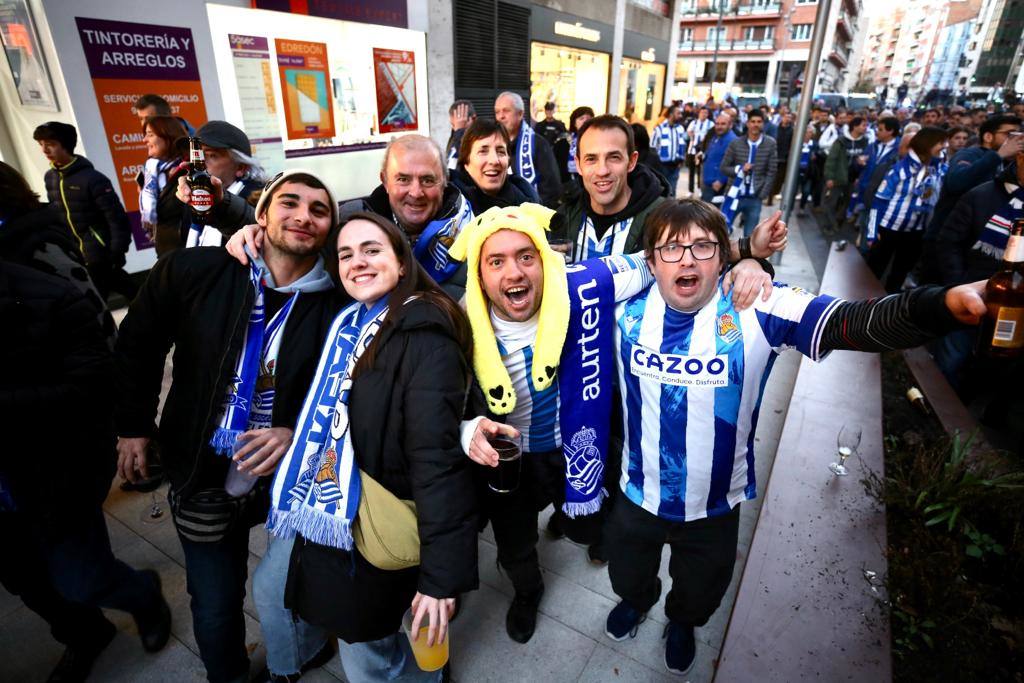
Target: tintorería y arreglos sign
point(127, 60)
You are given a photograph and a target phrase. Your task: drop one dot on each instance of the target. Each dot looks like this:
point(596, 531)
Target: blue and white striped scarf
point(431, 248)
point(993, 237)
point(524, 155)
point(613, 242)
point(246, 407)
point(316, 488)
point(698, 130)
point(154, 179)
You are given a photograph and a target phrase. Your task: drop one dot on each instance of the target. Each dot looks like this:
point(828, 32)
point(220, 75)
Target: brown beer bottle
point(199, 184)
point(1004, 294)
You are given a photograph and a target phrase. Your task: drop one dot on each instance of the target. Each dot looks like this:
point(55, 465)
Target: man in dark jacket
point(55, 471)
point(530, 155)
point(208, 306)
point(232, 168)
point(845, 161)
point(968, 169)
point(783, 141)
point(551, 129)
point(607, 217)
point(969, 247)
point(92, 209)
point(754, 160)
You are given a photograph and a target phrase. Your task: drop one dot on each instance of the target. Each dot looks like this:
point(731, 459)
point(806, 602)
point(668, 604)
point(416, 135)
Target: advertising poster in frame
point(395, 76)
point(305, 88)
point(25, 56)
point(128, 60)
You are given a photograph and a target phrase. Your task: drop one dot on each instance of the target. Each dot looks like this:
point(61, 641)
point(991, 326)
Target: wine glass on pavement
point(847, 443)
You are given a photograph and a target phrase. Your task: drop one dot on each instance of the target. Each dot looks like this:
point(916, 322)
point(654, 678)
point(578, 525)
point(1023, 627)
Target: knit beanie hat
point(531, 220)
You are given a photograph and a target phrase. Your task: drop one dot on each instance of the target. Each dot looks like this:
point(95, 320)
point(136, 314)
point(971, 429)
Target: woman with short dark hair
point(161, 210)
point(483, 175)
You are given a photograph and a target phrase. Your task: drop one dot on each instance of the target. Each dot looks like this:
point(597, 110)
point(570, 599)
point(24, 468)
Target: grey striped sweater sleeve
point(897, 321)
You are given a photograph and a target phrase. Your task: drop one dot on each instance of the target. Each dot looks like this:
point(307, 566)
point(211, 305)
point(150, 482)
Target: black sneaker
point(680, 648)
point(596, 554)
point(154, 625)
point(521, 619)
point(554, 528)
point(624, 621)
point(76, 662)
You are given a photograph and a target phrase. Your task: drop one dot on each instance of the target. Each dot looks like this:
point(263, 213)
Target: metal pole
point(673, 52)
point(804, 111)
point(718, 37)
point(616, 75)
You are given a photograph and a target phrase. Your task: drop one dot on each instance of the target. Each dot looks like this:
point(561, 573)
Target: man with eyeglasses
point(692, 370)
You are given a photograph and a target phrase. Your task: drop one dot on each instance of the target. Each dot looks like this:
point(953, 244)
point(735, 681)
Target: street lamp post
point(718, 37)
point(804, 110)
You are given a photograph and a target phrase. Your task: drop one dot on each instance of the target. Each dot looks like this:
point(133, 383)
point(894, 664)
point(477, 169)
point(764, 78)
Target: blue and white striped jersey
point(611, 243)
point(905, 199)
point(670, 141)
point(536, 412)
point(691, 387)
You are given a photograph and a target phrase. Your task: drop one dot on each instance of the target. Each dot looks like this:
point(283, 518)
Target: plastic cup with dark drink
point(505, 477)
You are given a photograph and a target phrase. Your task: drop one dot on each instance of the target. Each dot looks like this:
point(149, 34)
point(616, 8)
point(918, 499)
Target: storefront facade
point(571, 66)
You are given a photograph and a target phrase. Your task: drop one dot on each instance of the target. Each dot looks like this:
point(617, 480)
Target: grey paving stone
point(481, 651)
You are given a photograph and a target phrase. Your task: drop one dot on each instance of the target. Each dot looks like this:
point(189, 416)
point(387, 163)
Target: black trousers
point(902, 248)
point(66, 576)
point(514, 517)
point(695, 169)
point(701, 564)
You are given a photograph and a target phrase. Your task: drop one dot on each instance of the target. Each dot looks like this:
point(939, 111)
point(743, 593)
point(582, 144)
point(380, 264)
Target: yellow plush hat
point(531, 220)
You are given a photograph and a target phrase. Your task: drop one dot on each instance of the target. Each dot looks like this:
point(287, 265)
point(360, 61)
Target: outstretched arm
point(902, 321)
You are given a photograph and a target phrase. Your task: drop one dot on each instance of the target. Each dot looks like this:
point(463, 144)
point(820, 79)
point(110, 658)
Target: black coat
point(91, 208)
point(199, 300)
point(41, 240)
point(170, 213)
point(952, 256)
point(514, 192)
point(404, 414)
point(56, 396)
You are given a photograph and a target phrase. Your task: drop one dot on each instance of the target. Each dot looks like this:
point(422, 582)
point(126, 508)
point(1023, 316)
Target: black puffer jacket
point(198, 300)
point(39, 239)
point(514, 192)
point(91, 208)
point(404, 413)
point(55, 396)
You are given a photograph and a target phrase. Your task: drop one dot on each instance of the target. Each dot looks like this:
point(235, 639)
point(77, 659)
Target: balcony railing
point(725, 45)
point(732, 11)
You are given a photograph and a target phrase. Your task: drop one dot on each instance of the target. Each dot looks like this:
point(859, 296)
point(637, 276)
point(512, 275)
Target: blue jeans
point(290, 641)
point(750, 209)
point(671, 172)
point(387, 659)
point(66, 575)
point(215, 574)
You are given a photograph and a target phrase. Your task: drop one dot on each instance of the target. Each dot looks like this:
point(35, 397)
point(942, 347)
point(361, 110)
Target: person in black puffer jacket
point(483, 174)
point(404, 411)
point(34, 234)
point(55, 471)
point(89, 206)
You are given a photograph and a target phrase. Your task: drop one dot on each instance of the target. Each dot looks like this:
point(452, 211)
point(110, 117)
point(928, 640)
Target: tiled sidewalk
point(569, 645)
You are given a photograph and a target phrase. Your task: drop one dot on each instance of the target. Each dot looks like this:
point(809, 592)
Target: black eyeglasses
point(673, 252)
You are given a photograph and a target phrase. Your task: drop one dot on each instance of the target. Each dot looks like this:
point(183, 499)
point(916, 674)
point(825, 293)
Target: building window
point(686, 35)
point(769, 33)
point(748, 32)
point(807, 2)
point(801, 32)
point(712, 31)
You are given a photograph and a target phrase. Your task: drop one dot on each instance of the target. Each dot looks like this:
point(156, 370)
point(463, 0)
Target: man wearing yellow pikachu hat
point(544, 362)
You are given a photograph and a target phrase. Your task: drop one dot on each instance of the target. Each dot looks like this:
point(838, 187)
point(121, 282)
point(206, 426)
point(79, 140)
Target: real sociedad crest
point(583, 461)
point(727, 329)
